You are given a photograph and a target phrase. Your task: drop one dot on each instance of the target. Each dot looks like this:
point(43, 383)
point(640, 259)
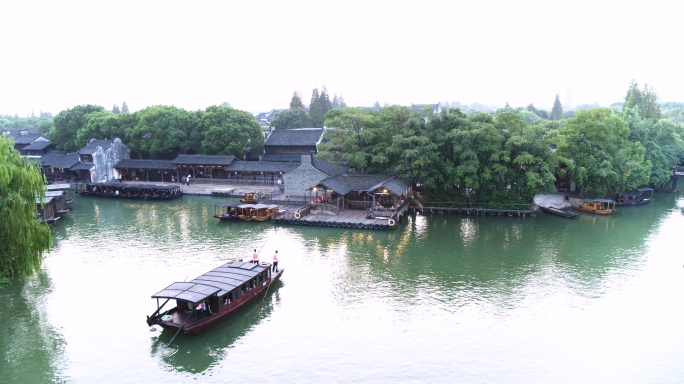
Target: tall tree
point(66, 126)
point(603, 160)
point(25, 239)
point(296, 102)
point(124, 108)
point(352, 137)
point(645, 101)
point(291, 118)
point(557, 110)
point(116, 110)
point(228, 131)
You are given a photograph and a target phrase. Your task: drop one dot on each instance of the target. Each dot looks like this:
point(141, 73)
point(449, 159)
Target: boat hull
point(195, 326)
point(559, 212)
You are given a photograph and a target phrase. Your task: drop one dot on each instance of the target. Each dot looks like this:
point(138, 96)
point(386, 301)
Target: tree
point(351, 137)
point(162, 132)
point(291, 118)
point(228, 131)
point(320, 105)
point(25, 238)
point(296, 101)
point(99, 125)
point(603, 161)
point(338, 102)
point(66, 126)
point(124, 107)
point(645, 101)
point(557, 110)
point(116, 110)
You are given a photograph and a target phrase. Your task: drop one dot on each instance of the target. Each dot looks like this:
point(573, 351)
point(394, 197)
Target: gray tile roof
point(298, 137)
point(26, 139)
point(285, 158)
point(59, 159)
point(344, 184)
point(91, 147)
point(37, 145)
point(145, 164)
point(329, 168)
point(203, 160)
point(261, 166)
point(82, 167)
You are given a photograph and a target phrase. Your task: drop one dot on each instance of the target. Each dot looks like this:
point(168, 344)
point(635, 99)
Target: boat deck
point(350, 218)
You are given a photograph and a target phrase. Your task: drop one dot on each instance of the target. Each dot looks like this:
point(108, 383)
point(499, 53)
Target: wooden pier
point(476, 211)
point(350, 218)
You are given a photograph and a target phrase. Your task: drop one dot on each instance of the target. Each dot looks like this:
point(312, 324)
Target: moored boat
point(257, 212)
point(250, 197)
point(131, 191)
point(562, 212)
point(210, 298)
point(226, 211)
point(640, 196)
point(597, 206)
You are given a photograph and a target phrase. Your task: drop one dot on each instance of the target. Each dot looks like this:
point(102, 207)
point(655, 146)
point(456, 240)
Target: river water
point(440, 299)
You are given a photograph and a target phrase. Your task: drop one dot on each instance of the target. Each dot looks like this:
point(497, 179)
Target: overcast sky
point(255, 54)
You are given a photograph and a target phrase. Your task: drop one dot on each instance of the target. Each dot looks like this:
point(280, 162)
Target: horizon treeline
point(505, 156)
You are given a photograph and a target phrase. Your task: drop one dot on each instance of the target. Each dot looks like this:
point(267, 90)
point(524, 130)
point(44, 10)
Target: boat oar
point(179, 329)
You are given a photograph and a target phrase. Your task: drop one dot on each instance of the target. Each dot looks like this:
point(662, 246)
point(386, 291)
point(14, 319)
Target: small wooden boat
point(210, 298)
point(257, 212)
point(597, 206)
point(226, 211)
point(640, 196)
point(250, 197)
point(562, 212)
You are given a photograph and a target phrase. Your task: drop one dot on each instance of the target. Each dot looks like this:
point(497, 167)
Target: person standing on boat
point(188, 180)
point(274, 267)
point(255, 257)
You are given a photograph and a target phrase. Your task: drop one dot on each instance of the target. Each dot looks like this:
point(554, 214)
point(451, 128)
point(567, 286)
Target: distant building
point(291, 144)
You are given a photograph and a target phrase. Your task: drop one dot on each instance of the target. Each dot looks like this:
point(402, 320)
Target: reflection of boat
point(250, 197)
point(597, 206)
point(640, 196)
point(562, 212)
point(257, 212)
point(226, 211)
point(208, 299)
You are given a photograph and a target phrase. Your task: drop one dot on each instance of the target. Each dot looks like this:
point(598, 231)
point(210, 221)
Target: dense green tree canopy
point(351, 137)
point(66, 126)
point(291, 118)
point(163, 132)
point(229, 131)
point(296, 101)
point(604, 160)
point(25, 238)
point(99, 125)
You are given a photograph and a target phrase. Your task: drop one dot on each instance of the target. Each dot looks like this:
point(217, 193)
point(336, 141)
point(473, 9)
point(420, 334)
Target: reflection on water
point(31, 348)
point(438, 299)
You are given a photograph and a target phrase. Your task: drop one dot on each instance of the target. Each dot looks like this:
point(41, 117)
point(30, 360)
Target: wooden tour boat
point(640, 196)
point(597, 206)
point(257, 212)
point(210, 298)
point(131, 191)
point(562, 212)
point(251, 197)
point(226, 211)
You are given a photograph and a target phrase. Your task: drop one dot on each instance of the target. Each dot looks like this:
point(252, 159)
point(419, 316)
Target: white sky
point(255, 54)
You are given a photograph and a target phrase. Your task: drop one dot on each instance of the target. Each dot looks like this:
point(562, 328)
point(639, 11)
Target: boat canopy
point(601, 200)
point(218, 281)
point(644, 189)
